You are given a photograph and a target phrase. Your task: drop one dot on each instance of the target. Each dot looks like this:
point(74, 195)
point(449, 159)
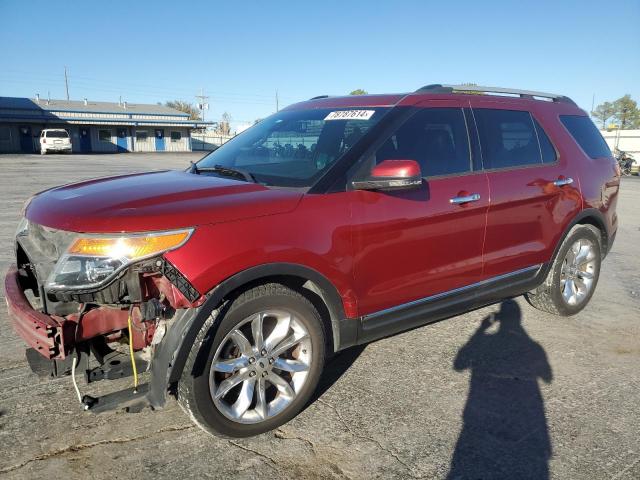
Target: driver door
point(413, 244)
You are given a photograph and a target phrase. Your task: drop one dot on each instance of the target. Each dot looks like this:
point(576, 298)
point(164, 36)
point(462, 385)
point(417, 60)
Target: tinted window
point(587, 135)
point(57, 134)
point(546, 147)
point(436, 138)
point(507, 138)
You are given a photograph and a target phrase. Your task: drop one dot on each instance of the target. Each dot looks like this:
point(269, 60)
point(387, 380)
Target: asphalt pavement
point(529, 396)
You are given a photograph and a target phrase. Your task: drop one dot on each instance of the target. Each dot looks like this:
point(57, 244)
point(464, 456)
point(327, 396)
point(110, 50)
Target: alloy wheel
point(578, 272)
point(260, 366)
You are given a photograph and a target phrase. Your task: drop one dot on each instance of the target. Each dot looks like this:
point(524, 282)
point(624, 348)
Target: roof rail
point(528, 94)
point(319, 96)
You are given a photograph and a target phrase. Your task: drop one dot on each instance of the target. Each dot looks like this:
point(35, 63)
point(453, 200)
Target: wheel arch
point(590, 216)
point(171, 354)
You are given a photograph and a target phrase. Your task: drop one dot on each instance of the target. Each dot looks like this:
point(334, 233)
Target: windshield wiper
point(227, 171)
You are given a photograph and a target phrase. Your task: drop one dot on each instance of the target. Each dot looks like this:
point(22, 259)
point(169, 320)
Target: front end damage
point(92, 329)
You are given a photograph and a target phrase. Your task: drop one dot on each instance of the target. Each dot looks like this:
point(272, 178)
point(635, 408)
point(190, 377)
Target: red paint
point(379, 249)
point(155, 201)
point(396, 168)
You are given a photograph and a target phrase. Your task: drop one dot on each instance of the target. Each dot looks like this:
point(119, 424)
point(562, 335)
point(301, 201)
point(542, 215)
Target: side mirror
point(392, 175)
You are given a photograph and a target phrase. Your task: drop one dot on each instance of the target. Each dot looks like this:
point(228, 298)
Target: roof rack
point(528, 94)
point(319, 96)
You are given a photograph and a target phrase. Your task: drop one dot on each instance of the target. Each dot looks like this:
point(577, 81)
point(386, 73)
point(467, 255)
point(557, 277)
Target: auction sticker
point(350, 115)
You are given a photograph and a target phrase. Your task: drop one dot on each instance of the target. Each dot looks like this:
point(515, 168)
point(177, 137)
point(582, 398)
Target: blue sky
point(242, 52)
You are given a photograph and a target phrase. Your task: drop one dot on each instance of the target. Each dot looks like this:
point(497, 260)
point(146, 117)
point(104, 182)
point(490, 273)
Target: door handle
point(563, 181)
point(474, 197)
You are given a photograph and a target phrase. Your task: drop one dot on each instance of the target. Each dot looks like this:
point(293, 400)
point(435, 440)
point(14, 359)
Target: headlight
point(92, 260)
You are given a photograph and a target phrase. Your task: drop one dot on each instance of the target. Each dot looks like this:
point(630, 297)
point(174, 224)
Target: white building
point(95, 126)
point(625, 140)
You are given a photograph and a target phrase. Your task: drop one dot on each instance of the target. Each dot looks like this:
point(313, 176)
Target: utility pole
point(277, 104)
point(66, 82)
point(202, 103)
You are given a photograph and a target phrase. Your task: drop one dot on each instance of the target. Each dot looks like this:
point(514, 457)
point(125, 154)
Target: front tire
point(255, 364)
point(573, 276)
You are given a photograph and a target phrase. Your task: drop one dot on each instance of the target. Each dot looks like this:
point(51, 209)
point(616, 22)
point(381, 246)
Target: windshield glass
point(294, 148)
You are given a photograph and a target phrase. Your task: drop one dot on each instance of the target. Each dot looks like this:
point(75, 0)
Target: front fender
point(171, 353)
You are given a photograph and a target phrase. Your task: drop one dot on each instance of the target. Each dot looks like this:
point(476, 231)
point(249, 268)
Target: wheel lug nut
point(270, 361)
point(252, 360)
point(263, 352)
point(264, 374)
point(252, 374)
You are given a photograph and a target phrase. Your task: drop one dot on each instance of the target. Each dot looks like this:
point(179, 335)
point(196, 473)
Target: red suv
point(334, 222)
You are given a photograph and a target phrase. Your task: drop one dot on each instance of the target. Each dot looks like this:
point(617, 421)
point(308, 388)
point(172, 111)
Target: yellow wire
point(133, 360)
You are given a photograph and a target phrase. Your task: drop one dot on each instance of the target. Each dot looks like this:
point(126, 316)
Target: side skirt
point(447, 304)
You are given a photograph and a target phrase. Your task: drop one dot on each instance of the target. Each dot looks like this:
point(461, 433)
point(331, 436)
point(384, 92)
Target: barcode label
point(350, 115)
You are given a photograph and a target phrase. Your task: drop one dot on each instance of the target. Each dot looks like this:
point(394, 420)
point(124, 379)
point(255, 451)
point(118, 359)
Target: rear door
point(534, 193)
point(413, 244)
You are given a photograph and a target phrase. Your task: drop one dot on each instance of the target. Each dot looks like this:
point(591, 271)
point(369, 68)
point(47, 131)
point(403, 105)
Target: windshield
point(293, 148)
point(57, 134)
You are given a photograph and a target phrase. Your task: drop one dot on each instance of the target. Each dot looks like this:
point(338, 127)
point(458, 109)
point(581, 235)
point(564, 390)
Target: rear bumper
point(44, 333)
point(57, 149)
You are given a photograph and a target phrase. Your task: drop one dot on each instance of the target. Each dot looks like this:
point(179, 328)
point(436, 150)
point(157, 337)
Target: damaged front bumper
point(44, 333)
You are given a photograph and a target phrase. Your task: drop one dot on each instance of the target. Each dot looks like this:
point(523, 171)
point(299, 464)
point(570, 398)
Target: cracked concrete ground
point(535, 397)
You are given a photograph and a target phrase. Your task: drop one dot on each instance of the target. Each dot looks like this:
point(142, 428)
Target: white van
point(54, 140)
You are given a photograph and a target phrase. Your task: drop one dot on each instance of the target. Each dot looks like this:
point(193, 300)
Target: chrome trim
point(474, 197)
point(439, 296)
point(563, 181)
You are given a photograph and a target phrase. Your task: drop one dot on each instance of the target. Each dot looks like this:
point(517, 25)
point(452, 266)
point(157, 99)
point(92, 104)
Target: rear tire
point(573, 275)
point(269, 344)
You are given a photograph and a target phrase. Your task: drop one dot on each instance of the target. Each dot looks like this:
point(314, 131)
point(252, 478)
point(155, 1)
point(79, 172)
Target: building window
point(142, 135)
point(5, 134)
point(104, 135)
point(176, 136)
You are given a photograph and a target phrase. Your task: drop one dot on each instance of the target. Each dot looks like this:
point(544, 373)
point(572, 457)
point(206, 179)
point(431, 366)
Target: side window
point(436, 138)
point(587, 135)
point(507, 138)
point(546, 147)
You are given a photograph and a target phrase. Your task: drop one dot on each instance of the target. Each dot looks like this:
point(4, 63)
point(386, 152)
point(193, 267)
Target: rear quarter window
point(585, 133)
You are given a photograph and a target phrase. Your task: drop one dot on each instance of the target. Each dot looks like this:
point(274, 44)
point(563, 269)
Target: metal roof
point(19, 103)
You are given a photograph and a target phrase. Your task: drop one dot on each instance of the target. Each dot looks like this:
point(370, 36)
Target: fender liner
point(171, 353)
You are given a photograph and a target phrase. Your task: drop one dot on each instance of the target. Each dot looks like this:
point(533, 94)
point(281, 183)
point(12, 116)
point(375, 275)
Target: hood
point(155, 201)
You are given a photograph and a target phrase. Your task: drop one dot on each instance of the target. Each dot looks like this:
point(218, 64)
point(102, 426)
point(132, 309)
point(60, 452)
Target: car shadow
point(335, 367)
point(504, 432)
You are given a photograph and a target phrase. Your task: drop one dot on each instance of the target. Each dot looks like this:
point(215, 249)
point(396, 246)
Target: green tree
point(359, 91)
point(604, 112)
point(626, 112)
point(186, 107)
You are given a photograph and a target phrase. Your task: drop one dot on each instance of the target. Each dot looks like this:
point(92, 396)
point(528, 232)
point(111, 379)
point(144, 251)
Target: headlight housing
point(92, 260)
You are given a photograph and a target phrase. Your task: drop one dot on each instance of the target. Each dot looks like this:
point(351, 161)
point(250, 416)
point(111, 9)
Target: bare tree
point(185, 107)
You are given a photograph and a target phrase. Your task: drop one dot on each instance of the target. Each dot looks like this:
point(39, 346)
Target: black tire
point(194, 389)
point(548, 296)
